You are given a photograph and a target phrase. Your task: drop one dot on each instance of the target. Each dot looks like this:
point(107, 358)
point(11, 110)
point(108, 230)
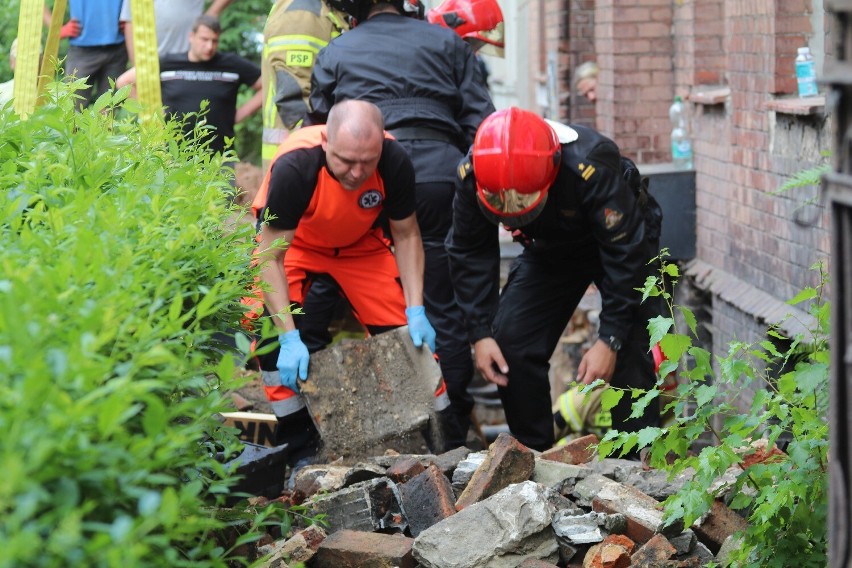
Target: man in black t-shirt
point(201, 74)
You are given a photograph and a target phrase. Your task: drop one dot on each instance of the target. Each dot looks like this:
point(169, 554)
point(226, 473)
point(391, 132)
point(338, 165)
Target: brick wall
point(747, 141)
point(635, 88)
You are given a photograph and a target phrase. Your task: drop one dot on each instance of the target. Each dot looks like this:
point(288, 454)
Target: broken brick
point(427, 499)
point(717, 525)
point(508, 461)
point(404, 469)
point(575, 452)
point(654, 552)
point(613, 552)
point(356, 549)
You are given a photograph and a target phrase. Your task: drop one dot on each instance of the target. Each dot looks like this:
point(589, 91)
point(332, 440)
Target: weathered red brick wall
point(635, 88)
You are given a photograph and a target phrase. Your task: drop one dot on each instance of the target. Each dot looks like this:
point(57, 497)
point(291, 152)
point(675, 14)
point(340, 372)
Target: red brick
point(508, 461)
point(720, 523)
point(574, 452)
point(613, 552)
point(654, 552)
point(404, 469)
point(355, 549)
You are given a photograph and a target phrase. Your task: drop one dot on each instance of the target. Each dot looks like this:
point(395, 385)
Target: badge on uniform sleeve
point(465, 168)
point(299, 59)
point(612, 217)
point(586, 171)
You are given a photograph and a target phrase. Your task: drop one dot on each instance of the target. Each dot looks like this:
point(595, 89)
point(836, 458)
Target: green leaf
point(610, 397)
point(658, 327)
point(803, 296)
point(705, 394)
point(810, 377)
point(648, 435)
point(689, 318)
point(671, 270)
point(675, 345)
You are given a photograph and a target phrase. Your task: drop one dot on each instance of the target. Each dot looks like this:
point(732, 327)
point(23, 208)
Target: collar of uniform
point(564, 133)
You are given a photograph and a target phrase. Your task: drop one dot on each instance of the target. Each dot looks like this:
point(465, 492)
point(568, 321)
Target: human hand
point(293, 358)
point(490, 361)
point(70, 29)
point(419, 327)
point(597, 363)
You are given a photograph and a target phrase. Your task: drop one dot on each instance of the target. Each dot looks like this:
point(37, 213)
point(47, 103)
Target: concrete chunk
point(367, 506)
point(481, 534)
point(465, 469)
point(644, 514)
point(508, 461)
point(556, 474)
point(377, 391)
point(354, 549)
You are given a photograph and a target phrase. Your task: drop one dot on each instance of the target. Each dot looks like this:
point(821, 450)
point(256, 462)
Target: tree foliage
point(785, 497)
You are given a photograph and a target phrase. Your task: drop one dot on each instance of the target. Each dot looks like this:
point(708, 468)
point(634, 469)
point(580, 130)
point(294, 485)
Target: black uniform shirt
point(591, 216)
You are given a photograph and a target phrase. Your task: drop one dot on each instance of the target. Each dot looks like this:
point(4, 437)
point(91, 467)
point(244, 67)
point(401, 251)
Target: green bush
point(785, 498)
point(116, 279)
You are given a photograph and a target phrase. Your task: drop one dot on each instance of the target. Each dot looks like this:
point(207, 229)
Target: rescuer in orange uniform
point(328, 188)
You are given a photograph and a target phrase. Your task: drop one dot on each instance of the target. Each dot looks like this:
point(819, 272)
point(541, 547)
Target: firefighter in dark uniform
point(565, 192)
point(424, 79)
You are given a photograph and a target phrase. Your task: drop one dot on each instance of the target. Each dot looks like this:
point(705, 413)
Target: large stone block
point(371, 393)
point(502, 530)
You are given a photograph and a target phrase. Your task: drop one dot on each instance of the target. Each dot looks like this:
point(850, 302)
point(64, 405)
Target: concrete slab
point(370, 393)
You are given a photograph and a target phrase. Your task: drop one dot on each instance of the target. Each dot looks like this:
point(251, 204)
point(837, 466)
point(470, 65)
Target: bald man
point(326, 194)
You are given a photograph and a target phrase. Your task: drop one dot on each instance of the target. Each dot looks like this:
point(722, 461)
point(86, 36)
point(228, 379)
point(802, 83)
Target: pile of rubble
point(505, 507)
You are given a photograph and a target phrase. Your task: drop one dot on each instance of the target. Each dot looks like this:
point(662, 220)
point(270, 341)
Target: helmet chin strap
point(512, 221)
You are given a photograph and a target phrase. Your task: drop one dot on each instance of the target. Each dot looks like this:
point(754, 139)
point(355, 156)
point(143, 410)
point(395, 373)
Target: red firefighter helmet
point(479, 22)
point(516, 156)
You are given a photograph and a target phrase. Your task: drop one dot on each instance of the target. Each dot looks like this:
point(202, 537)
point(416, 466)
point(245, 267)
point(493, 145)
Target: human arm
point(617, 225)
point(293, 356)
point(70, 29)
point(410, 259)
point(288, 63)
point(217, 7)
point(323, 85)
point(127, 78)
point(252, 105)
point(474, 102)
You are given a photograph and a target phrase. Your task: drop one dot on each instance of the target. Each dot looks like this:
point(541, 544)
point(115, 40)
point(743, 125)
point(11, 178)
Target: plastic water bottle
point(805, 73)
point(681, 145)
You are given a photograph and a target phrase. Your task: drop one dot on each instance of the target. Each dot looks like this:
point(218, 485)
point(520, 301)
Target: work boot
point(297, 430)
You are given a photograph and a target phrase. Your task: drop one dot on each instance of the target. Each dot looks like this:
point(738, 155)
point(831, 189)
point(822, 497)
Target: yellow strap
point(29, 46)
point(147, 59)
point(51, 48)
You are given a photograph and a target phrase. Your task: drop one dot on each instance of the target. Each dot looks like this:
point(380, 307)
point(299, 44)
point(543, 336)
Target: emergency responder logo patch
point(612, 217)
point(300, 59)
point(370, 199)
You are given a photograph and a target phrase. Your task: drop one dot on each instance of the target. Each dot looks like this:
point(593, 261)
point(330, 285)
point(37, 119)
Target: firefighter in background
point(478, 22)
point(576, 413)
point(424, 79)
point(325, 192)
point(294, 33)
point(584, 217)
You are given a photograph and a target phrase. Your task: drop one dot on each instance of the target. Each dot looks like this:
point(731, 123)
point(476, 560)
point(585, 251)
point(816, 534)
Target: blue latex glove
point(293, 359)
point(419, 327)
